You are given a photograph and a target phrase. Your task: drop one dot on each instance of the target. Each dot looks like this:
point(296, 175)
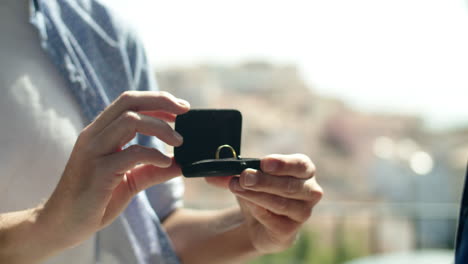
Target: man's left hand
point(276, 201)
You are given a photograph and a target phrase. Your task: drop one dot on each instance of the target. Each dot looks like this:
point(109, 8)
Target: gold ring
point(233, 151)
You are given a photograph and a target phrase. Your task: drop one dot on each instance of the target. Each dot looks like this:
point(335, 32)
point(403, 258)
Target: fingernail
point(271, 165)
point(250, 179)
point(183, 102)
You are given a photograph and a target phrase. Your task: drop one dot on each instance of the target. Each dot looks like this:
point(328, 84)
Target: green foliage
point(309, 250)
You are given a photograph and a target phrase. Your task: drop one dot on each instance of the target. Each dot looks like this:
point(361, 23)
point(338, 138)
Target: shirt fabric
point(99, 57)
point(39, 119)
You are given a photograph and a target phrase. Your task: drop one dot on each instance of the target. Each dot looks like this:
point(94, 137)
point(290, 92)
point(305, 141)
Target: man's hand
point(99, 179)
point(276, 201)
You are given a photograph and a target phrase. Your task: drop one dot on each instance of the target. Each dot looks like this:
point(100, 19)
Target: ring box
point(212, 143)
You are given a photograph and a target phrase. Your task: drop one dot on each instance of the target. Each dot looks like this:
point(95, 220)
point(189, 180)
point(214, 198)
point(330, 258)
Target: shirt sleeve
point(167, 196)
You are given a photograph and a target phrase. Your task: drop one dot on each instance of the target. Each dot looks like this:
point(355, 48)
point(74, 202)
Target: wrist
point(248, 248)
point(49, 230)
point(23, 238)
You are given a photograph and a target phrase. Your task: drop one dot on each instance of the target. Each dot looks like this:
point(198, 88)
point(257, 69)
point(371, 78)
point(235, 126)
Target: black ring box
point(204, 132)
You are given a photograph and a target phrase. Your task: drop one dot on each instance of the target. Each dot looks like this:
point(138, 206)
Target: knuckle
point(312, 169)
point(281, 164)
point(281, 203)
point(317, 193)
point(128, 121)
point(286, 230)
point(302, 164)
point(166, 97)
point(294, 186)
point(259, 212)
point(130, 117)
point(84, 146)
point(306, 213)
point(90, 147)
point(165, 94)
point(314, 192)
point(317, 197)
point(82, 139)
point(127, 96)
point(305, 165)
point(301, 156)
point(135, 149)
point(85, 133)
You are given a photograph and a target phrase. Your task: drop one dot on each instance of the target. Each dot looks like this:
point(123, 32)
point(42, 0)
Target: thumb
point(136, 180)
point(144, 176)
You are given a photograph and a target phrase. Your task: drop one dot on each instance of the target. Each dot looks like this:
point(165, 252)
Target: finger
point(138, 101)
point(136, 180)
point(124, 129)
point(285, 186)
point(296, 165)
point(127, 159)
point(148, 175)
point(221, 182)
point(168, 117)
point(279, 225)
point(296, 210)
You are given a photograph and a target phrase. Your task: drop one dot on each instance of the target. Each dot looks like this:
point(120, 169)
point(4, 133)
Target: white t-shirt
point(39, 121)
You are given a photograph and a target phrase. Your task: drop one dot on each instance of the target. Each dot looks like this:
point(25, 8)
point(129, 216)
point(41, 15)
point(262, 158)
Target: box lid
point(204, 131)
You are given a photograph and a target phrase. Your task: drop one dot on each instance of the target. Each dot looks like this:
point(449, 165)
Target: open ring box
point(212, 143)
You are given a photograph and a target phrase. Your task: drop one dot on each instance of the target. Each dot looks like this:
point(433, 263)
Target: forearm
point(210, 236)
point(24, 237)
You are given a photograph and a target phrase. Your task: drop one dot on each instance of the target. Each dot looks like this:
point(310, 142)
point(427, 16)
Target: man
point(89, 58)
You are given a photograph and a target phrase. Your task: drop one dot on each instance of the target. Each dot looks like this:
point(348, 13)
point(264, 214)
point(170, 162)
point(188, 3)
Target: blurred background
point(374, 91)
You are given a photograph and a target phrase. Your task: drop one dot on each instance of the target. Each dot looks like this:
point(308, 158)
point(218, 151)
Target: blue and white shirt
point(100, 57)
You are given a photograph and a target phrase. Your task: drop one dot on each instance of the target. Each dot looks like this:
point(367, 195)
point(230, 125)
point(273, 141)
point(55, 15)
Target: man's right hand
point(100, 178)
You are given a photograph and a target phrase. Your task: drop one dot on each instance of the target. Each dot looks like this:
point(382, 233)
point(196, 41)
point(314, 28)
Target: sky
point(404, 56)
